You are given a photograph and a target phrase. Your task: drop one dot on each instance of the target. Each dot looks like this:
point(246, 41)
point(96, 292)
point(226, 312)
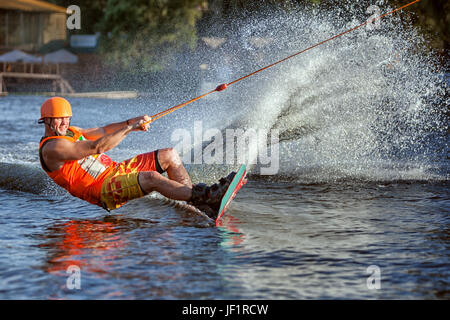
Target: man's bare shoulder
point(53, 144)
point(53, 152)
point(62, 149)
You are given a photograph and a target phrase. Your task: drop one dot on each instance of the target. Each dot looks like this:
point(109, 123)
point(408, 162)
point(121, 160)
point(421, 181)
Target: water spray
point(224, 86)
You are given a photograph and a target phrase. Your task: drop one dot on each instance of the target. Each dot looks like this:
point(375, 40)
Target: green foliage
point(143, 35)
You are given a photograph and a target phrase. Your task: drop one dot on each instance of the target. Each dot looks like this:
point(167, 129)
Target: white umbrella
point(19, 56)
point(60, 56)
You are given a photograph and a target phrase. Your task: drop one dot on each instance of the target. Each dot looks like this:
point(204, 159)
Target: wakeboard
point(236, 184)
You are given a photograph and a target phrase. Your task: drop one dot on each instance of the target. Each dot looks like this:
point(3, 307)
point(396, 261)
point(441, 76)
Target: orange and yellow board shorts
point(123, 185)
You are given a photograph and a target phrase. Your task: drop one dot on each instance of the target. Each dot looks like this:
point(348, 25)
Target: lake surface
point(281, 239)
point(347, 153)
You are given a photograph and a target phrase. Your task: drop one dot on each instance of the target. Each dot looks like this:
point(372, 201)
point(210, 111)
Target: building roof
point(31, 6)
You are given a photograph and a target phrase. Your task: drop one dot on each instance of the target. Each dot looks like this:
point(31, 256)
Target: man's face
point(60, 125)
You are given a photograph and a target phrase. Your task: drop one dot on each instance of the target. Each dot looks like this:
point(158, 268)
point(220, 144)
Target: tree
point(143, 35)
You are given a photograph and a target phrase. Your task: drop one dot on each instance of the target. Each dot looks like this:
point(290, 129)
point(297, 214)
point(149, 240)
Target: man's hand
point(140, 123)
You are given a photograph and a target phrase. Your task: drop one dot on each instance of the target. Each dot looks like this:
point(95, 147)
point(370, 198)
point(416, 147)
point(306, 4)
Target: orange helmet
point(55, 107)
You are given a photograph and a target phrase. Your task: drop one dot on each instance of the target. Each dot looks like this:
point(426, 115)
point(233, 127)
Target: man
point(74, 158)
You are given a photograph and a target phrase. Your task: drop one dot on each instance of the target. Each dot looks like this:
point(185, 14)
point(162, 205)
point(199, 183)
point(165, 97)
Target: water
point(363, 180)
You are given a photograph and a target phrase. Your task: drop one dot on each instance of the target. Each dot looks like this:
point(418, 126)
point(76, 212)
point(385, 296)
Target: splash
point(367, 105)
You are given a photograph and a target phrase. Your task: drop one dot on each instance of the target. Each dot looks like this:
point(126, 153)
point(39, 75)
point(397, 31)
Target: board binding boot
point(208, 198)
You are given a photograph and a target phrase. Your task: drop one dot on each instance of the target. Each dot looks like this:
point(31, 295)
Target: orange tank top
point(82, 178)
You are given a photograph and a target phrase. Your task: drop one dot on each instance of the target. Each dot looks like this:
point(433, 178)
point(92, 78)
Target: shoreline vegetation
point(130, 28)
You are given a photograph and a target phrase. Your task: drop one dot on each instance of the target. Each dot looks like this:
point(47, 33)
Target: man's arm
point(97, 133)
point(60, 150)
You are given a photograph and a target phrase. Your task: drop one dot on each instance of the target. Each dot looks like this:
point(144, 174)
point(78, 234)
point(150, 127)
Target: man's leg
point(205, 198)
point(141, 175)
point(170, 161)
point(153, 181)
point(144, 173)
